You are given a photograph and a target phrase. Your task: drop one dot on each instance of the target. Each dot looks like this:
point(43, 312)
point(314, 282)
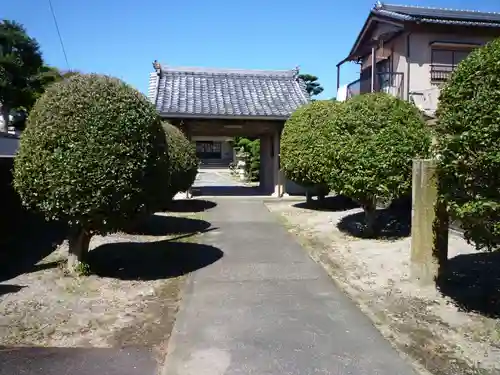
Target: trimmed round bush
point(308, 143)
point(93, 156)
point(469, 147)
point(381, 136)
point(183, 160)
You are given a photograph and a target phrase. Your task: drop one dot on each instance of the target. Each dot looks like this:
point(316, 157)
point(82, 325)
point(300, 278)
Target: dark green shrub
point(468, 144)
point(93, 156)
point(381, 136)
point(252, 148)
point(308, 144)
point(183, 160)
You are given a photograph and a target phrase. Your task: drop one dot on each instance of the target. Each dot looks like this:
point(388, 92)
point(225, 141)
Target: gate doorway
point(219, 156)
point(209, 104)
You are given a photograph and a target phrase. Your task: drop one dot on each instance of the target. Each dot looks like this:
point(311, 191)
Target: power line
point(59, 33)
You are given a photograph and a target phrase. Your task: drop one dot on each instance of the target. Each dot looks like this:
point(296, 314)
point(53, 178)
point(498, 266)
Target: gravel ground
point(130, 299)
point(437, 328)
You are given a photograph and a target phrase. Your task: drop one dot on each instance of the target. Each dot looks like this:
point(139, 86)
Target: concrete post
point(429, 230)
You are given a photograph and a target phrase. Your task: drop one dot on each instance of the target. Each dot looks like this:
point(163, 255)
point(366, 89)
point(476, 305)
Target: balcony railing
point(391, 83)
point(441, 72)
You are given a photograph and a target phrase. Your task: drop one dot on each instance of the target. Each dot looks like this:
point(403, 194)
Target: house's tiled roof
point(438, 15)
point(204, 92)
point(403, 14)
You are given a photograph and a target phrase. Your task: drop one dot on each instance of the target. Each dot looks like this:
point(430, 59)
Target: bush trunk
point(79, 241)
point(370, 209)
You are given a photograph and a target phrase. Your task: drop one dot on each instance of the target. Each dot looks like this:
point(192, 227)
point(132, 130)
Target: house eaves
point(404, 15)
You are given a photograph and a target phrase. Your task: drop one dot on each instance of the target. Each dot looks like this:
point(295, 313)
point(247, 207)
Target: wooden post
point(429, 230)
point(374, 63)
point(189, 191)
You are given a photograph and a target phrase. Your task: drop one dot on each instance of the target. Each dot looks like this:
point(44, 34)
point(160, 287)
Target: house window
point(384, 75)
point(383, 71)
point(444, 62)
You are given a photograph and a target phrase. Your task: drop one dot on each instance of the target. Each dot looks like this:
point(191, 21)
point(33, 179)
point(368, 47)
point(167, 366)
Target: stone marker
point(429, 230)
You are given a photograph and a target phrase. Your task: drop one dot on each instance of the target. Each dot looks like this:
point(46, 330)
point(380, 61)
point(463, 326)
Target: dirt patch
point(131, 298)
point(440, 332)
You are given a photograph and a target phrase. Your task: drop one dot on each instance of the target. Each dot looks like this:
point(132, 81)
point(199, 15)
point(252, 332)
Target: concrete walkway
point(212, 182)
point(266, 308)
point(215, 177)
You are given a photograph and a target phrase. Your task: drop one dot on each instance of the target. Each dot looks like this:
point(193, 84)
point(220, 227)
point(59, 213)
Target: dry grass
point(131, 297)
point(434, 329)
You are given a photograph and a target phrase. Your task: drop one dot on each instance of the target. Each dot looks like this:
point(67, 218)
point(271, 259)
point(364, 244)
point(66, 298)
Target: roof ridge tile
point(382, 5)
point(229, 71)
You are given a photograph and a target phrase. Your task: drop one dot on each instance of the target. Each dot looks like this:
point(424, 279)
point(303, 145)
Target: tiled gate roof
point(204, 92)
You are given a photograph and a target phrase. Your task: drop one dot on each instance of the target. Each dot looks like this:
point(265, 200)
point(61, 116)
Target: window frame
point(440, 73)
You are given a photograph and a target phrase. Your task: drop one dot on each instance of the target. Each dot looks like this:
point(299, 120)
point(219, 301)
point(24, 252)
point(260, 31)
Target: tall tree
point(313, 87)
point(20, 65)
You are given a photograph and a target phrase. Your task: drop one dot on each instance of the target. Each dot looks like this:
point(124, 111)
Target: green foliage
point(183, 160)
point(252, 148)
point(313, 87)
point(83, 269)
point(468, 145)
point(46, 76)
point(20, 65)
point(380, 137)
point(308, 143)
point(93, 154)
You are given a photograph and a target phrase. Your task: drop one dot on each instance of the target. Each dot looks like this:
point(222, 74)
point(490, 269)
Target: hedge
point(468, 145)
point(380, 137)
point(93, 156)
point(308, 143)
point(183, 160)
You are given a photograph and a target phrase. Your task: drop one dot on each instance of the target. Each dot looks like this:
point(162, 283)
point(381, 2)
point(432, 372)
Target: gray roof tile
point(438, 15)
point(204, 92)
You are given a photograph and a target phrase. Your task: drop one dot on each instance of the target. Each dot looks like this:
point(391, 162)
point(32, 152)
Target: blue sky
point(122, 38)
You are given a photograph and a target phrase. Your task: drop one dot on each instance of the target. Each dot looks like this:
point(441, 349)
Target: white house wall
point(420, 55)
point(399, 61)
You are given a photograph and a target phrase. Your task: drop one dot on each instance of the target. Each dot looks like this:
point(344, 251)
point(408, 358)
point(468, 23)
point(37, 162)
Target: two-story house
point(410, 51)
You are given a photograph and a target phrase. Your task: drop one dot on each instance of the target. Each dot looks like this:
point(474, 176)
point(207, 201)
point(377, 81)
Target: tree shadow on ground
point(190, 205)
point(330, 203)
point(391, 223)
point(9, 288)
point(26, 243)
point(473, 282)
point(229, 191)
point(161, 225)
point(25, 238)
point(151, 260)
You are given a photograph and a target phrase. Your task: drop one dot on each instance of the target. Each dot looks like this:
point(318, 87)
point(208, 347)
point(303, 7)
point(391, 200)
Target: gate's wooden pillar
point(278, 179)
point(266, 177)
point(187, 133)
